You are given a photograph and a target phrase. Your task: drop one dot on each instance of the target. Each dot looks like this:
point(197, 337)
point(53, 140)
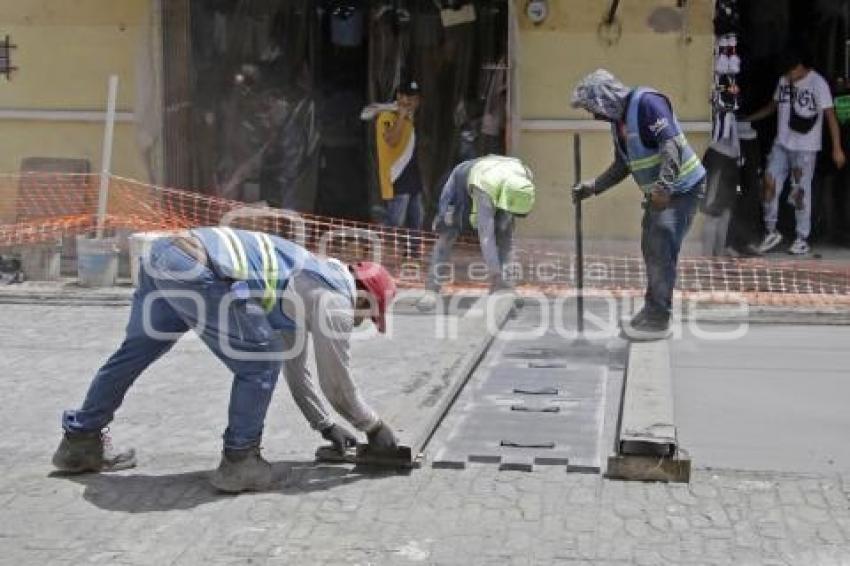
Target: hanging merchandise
point(727, 18)
point(727, 61)
point(346, 26)
point(722, 158)
point(727, 66)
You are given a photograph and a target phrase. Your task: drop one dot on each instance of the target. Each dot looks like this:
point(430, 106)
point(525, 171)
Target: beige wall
point(556, 54)
point(66, 51)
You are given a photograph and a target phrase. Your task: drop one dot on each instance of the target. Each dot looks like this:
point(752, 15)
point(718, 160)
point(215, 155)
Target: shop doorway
point(817, 30)
point(264, 98)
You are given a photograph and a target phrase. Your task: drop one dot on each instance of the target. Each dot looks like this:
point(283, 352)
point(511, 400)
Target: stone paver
point(163, 512)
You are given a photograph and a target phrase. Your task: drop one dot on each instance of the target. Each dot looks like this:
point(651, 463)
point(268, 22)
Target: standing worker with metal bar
point(251, 297)
point(499, 189)
point(650, 145)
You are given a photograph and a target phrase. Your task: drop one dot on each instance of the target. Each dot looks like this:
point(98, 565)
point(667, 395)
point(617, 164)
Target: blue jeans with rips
point(176, 294)
point(661, 239)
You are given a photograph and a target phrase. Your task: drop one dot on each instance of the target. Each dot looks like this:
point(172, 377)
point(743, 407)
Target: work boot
point(242, 470)
point(638, 318)
point(647, 328)
point(91, 452)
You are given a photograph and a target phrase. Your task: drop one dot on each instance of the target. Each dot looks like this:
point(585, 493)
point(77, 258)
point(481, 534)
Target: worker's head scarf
point(601, 94)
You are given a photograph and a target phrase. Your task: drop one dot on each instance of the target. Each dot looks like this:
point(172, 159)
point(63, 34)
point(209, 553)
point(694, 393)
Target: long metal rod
point(612, 12)
point(579, 239)
point(106, 158)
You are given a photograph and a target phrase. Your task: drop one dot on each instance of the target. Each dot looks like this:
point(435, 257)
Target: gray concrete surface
point(775, 398)
point(163, 512)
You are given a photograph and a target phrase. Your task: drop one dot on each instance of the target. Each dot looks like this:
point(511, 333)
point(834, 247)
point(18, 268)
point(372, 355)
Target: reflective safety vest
point(266, 263)
point(506, 181)
point(645, 162)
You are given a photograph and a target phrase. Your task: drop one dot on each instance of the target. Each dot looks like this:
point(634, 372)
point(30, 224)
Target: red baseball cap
point(379, 283)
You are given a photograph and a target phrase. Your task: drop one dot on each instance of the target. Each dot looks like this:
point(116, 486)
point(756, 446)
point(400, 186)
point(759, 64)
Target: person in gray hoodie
point(649, 144)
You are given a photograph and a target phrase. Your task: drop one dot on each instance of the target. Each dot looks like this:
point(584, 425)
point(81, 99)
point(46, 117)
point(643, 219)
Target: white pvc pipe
point(106, 158)
point(33, 115)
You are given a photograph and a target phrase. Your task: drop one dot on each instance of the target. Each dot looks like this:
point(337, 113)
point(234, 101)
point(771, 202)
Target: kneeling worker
point(251, 297)
point(498, 189)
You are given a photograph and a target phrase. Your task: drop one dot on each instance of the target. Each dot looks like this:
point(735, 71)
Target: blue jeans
point(661, 239)
point(170, 304)
point(405, 211)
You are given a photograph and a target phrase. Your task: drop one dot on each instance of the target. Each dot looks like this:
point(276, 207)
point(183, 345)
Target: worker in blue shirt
point(252, 298)
point(650, 145)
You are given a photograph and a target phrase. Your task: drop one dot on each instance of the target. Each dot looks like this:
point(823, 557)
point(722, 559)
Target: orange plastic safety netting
point(36, 208)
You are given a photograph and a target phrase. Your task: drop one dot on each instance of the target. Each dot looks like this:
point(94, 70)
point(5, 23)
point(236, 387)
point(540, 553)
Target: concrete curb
point(647, 447)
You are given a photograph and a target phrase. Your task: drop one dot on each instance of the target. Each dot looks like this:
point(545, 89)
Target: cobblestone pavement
point(163, 511)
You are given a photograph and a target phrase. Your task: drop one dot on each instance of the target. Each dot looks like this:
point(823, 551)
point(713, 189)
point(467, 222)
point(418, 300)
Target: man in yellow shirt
point(398, 164)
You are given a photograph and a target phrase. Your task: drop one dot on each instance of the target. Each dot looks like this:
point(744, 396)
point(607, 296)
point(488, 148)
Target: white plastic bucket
point(139, 242)
point(97, 261)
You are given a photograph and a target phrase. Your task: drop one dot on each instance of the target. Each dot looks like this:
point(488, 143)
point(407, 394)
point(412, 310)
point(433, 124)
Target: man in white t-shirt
point(802, 99)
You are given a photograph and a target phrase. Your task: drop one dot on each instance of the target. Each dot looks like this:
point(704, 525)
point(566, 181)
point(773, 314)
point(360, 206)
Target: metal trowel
point(364, 455)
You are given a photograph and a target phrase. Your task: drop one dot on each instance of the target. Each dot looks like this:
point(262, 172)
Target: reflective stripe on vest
point(271, 273)
point(645, 162)
point(270, 263)
point(487, 174)
point(235, 250)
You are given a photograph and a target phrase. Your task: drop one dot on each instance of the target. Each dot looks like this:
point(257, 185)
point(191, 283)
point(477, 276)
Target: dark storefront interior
point(264, 97)
point(818, 30)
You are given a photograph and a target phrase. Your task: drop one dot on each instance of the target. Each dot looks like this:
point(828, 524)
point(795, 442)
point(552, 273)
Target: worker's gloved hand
point(339, 437)
point(659, 198)
point(382, 437)
point(583, 190)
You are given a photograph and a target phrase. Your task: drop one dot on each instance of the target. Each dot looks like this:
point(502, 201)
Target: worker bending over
point(497, 189)
point(252, 298)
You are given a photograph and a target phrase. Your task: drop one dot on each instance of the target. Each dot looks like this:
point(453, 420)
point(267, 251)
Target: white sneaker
point(771, 240)
point(799, 247)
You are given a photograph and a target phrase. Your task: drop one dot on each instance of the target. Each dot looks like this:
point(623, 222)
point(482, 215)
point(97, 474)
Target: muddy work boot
point(242, 470)
point(81, 452)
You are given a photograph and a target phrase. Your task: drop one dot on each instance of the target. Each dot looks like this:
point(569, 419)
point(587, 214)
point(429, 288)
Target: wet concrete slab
point(774, 398)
